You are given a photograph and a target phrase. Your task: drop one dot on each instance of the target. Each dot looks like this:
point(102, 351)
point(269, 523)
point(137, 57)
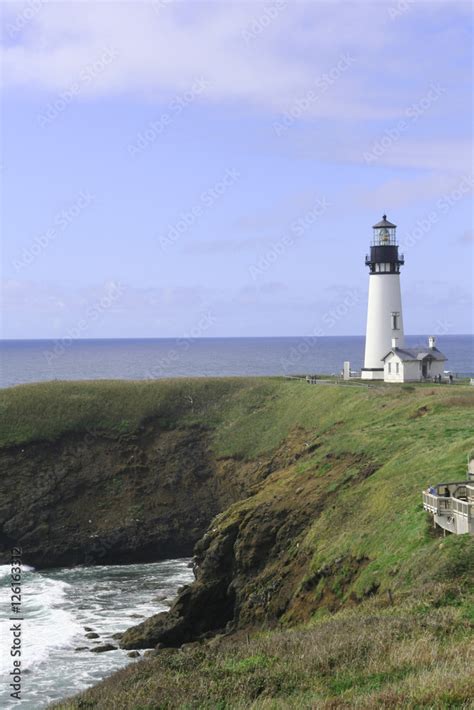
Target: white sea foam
point(45, 625)
point(5, 571)
point(58, 604)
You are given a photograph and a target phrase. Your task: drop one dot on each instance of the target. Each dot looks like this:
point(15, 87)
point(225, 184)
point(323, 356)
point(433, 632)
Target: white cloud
point(111, 309)
point(160, 48)
point(400, 192)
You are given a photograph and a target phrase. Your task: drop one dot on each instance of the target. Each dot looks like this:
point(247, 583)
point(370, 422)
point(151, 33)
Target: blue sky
point(213, 169)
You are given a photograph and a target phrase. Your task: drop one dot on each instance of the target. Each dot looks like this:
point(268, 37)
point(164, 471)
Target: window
point(397, 366)
point(389, 368)
point(395, 321)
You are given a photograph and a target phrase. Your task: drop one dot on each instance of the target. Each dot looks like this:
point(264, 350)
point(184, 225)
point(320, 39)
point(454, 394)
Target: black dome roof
point(384, 223)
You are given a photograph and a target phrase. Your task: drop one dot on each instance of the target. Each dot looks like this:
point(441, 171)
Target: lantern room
point(384, 257)
point(384, 233)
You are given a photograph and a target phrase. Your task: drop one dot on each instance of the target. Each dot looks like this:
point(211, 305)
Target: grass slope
point(391, 631)
point(359, 659)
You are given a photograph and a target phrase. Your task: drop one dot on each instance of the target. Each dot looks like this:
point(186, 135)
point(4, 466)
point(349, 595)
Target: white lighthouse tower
point(384, 313)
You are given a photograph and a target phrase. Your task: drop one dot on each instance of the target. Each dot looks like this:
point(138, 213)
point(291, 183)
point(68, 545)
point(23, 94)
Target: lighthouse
point(384, 313)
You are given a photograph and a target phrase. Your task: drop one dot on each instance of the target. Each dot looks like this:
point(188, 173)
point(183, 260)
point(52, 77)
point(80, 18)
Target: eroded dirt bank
point(251, 566)
point(102, 499)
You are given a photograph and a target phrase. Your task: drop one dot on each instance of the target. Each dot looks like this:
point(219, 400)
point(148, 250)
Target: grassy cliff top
point(257, 412)
point(49, 410)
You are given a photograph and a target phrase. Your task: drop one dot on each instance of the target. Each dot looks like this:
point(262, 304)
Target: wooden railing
point(436, 504)
point(462, 507)
point(441, 505)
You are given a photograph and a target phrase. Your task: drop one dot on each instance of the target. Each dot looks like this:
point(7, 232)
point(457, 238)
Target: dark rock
point(88, 628)
point(205, 606)
point(118, 635)
point(82, 648)
point(133, 654)
point(103, 648)
point(161, 627)
point(238, 580)
point(51, 525)
point(92, 635)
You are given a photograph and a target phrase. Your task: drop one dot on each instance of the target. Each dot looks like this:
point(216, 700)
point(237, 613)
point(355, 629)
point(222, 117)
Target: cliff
point(111, 473)
point(304, 504)
point(338, 518)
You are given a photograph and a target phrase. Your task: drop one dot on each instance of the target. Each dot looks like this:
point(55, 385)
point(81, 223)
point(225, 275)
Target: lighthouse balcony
point(384, 267)
point(383, 255)
point(452, 506)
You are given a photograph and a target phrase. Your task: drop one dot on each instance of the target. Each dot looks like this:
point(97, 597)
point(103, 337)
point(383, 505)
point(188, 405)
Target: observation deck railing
point(456, 508)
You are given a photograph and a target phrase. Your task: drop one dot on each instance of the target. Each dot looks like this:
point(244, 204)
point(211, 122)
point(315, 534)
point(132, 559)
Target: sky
point(214, 169)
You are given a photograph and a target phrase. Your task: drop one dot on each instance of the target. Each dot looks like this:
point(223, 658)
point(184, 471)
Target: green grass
point(363, 659)
point(364, 455)
point(48, 411)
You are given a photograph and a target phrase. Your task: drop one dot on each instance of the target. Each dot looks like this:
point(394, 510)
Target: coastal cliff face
point(300, 500)
point(248, 565)
point(91, 491)
point(334, 516)
point(98, 499)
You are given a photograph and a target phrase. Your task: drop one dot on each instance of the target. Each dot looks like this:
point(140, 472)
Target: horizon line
point(218, 337)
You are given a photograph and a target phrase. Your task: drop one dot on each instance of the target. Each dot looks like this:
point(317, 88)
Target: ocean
point(58, 605)
point(24, 361)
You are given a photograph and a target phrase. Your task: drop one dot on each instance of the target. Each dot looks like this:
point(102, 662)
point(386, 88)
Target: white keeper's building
point(413, 364)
